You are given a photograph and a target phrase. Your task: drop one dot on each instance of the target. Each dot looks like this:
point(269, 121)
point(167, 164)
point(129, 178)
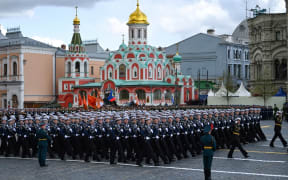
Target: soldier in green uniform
point(43, 139)
point(209, 145)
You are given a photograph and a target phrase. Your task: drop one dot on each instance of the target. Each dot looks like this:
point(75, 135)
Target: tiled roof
point(128, 83)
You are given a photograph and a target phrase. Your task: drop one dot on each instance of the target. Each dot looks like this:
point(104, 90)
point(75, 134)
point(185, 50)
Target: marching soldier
point(3, 128)
point(277, 129)
point(116, 145)
point(235, 141)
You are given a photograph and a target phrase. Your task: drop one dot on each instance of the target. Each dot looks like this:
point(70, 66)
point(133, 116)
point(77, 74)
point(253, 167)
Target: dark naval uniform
point(209, 146)
point(277, 130)
point(235, 141)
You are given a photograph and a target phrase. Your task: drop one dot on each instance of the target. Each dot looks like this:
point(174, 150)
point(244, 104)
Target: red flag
point(84, 102)
point(80, 102)
point(92, 101)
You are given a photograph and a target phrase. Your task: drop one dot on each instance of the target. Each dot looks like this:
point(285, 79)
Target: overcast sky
point(170, 20)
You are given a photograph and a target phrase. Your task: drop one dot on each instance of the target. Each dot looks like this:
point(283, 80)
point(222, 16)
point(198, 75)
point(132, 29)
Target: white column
point(8, 68)
point(73, 73)
point(21, 67)
point(21, 96)
point(182, 96)
point(75, 103)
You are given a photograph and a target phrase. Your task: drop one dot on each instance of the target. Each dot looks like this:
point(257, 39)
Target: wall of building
point(96, 64)
point(279, 101)
point(38, 77)
point(268, 35)
point(60, 70)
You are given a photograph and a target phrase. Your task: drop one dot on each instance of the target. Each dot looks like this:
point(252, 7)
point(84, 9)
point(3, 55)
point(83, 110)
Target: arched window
point(283, 70)
point(167, 72)
point(135, 72)
point(14, 101)
point(15, 69)
point(168, 95)
point(122, 71)
point(132, 34)
point(150, 73)
point(157, 94)
point(228, 53)
point(139, 33)
point(92, 70)
point(187, 95)
point(110, 73)
point(277, 69)
point(69, 67)
point(141, 94)
point(124, 95)
point(85, 68)
point(77, 67)
point(159, 72)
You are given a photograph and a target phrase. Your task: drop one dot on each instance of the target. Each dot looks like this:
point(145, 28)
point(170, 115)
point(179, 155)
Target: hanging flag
point(84, 103)
point(99, 101)
point(111, 98)
point(172, 99)
point(92, 101)
point(136, 100)
point(80, 102)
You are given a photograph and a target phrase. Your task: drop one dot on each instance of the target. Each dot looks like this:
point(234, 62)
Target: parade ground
point(264, 163)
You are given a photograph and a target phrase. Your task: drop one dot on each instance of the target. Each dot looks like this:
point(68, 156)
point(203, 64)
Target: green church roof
point(76, 39)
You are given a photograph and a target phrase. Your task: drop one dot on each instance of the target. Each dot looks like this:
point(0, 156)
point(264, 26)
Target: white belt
point(91, 137)
point(134, 136)
point(76, 135)
point(157, 137)
point(100, 136)
point(178, 134)
point(117, 138)
point(147, 138)
point(126, 137)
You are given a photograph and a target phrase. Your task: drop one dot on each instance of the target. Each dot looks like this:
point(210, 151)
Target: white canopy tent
point(211, 93)
point(223, 91)
point(242, 91)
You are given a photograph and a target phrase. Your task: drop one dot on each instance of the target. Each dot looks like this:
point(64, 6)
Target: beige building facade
point(268, 35)
point(29, 71)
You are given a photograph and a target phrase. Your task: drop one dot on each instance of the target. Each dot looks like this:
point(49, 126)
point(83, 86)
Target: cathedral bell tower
point(76, 61)
point(138, 27)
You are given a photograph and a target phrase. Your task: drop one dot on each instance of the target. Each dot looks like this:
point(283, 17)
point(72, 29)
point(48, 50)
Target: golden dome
point(76, 20)
point(138, 17)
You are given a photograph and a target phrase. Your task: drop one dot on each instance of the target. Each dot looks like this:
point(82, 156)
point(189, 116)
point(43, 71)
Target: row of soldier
point(132, 135)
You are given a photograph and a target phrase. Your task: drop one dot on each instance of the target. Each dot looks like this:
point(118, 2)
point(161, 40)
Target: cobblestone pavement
point(264, 163)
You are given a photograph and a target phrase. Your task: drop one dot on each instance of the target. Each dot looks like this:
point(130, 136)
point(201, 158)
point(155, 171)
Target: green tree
point(264, 88)
point(227, 80)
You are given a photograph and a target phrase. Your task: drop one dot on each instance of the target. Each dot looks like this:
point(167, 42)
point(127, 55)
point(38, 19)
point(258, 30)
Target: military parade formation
point(128, 136)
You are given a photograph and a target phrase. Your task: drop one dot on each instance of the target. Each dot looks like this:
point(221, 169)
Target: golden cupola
point(138, 17)
point(76, 20)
